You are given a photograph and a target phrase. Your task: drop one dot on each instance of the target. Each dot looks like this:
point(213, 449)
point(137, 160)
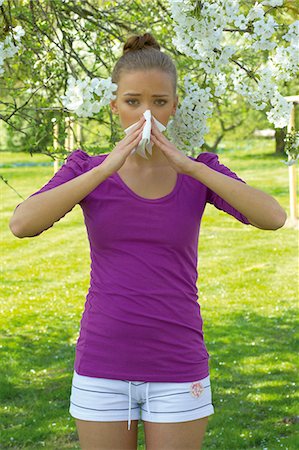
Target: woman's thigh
point(177, 402)
point(175, 436)
point(100, 407)
point(176, 415)
point(107, 435)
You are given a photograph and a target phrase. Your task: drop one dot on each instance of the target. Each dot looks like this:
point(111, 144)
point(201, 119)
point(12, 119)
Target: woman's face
point(152, 90)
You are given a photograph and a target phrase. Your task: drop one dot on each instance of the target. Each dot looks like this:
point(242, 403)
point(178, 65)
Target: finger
point(155, 129)
point(154, 125)
point(133, 132)
point(136, 131)
point(157, 141)
point(133, 138)
point(161, 138)
point(158, 135)
point(164, 147)
point(140, 121)
point(136, 140)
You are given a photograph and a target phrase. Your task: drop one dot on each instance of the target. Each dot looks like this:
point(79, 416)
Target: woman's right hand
point(117, 157)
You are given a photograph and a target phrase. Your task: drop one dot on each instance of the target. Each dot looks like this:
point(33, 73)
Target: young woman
point(141, 352)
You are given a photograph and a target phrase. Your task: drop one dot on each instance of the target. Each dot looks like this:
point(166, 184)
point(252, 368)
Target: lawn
point(248, 292)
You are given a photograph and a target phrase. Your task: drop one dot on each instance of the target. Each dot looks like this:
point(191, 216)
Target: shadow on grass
point(262, 155)
point(252, 384)
point(252, 376)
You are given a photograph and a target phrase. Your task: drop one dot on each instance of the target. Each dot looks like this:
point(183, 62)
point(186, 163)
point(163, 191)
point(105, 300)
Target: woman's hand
point(177, 159)
point(117, 157)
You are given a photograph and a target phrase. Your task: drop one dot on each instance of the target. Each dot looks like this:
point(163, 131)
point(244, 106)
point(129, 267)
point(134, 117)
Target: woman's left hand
point(177, 159)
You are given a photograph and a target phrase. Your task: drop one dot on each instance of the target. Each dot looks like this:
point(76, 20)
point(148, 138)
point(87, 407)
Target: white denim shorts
point(105, 400)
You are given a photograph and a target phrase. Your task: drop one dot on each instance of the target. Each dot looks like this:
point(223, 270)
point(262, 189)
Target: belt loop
point(147, 400)
point(129, 420)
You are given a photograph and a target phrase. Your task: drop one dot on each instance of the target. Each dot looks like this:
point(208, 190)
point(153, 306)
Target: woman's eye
point(134, 100)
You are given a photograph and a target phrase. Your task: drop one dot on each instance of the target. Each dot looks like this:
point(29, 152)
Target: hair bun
point(138, 42)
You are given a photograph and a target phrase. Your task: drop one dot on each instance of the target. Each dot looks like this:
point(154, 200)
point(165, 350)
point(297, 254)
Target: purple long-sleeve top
point(142, 318)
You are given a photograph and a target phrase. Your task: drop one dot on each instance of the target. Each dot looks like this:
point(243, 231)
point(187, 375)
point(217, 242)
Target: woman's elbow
point(280, 219)
point(15, 229)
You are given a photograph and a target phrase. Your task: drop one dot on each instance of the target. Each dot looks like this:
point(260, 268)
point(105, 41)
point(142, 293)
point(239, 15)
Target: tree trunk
point(280, 134)
point(213, 148)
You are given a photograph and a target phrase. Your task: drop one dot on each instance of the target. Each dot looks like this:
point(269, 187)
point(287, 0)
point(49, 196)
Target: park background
point(247, 283)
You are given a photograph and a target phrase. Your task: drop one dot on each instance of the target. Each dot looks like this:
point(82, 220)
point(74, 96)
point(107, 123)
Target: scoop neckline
point(150, 200)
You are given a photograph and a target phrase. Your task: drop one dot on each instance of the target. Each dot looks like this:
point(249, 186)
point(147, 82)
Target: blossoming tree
point(233, 50)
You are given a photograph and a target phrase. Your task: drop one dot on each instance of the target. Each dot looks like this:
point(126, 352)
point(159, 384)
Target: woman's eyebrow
point(155, 95)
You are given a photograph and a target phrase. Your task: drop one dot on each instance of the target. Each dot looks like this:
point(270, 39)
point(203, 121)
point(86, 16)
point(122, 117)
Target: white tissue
point(145, 142)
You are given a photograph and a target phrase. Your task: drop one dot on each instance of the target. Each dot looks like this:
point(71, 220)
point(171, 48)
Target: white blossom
point(272, 2)
point(211, 39)
point(7, 48)
point(280, 113)
point(256, 12)
point(221, 84)
point(79, 96)
point(264, 28)
point(285, 61)
point(231, 8)
point(241, 22)
point(293, 33)
point(292, 148)
point(204, 38)
point(18, 32)
point(189, 124)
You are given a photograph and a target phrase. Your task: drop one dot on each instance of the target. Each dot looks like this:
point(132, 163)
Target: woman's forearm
point(262, 210)
point(40, 211)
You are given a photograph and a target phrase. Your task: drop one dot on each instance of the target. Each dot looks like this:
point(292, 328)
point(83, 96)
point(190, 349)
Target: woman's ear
point(113, 107)
point(175, 105)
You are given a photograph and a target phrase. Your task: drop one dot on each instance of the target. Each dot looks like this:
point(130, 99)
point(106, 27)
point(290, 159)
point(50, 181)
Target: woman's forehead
point(145, 80)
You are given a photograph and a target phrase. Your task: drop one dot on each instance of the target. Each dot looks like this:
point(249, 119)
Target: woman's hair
point(142, 52)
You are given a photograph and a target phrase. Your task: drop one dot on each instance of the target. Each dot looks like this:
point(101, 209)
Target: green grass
point(247, 290)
